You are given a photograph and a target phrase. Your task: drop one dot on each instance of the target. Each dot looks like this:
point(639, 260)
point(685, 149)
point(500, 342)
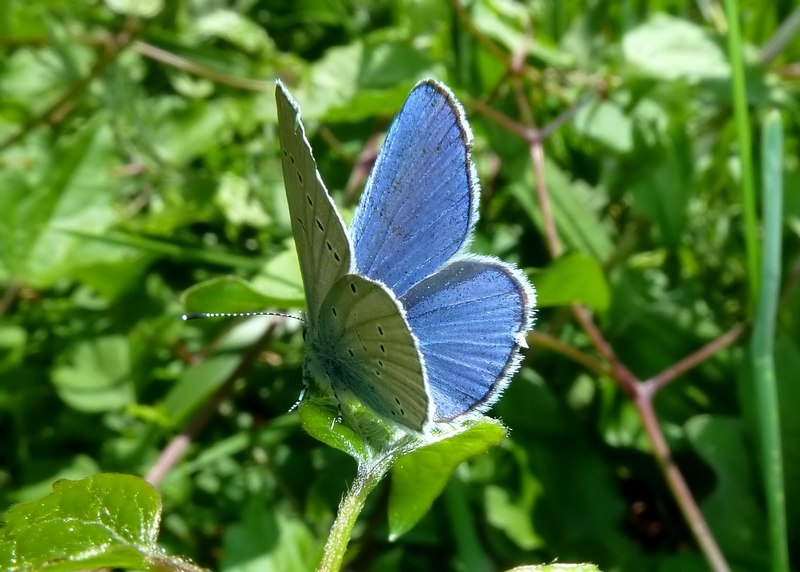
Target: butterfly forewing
point(322, 244)
point(363, 344)
point(419, 205)
point(468, 318)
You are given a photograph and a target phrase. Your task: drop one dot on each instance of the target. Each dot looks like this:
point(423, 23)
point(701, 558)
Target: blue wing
point(468, 319)
point(420, 202)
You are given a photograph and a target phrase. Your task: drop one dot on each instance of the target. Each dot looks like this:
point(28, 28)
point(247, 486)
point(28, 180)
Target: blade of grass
point(742, 118)
point(763, 366)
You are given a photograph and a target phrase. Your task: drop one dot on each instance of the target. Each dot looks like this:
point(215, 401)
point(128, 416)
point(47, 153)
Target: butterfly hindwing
point(323, 247)
point(468, 317)
point(363, 344)
point(419, 204)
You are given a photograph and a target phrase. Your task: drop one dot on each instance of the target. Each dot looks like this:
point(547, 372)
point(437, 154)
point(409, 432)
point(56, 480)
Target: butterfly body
point(398, 315)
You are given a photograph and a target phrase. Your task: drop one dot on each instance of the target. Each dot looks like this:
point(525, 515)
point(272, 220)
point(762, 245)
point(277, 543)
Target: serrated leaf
point(104, 521)
point(420, 477)
point(573, 278)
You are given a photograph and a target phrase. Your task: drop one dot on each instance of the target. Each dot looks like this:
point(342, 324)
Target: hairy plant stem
point(367, 478)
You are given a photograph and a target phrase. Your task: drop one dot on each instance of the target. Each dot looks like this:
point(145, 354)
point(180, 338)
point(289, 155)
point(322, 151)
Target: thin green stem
point(742, 118)
point(367, 478)
point(763, 366)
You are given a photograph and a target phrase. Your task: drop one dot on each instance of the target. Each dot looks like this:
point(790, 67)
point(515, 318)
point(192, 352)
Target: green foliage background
point(140, 157)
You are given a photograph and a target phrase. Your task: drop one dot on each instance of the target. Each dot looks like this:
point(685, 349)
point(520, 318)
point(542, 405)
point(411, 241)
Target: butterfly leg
point(338, 418)
point(302, 391)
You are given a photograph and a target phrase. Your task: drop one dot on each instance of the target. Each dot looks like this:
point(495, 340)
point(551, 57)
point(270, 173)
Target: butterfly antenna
point(201, 315)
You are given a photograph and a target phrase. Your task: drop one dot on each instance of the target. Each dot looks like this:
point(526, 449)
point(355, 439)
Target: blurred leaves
point(572, 279)
point(156, 189)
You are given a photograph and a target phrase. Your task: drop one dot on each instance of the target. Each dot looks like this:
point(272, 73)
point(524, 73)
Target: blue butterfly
point(399, 314)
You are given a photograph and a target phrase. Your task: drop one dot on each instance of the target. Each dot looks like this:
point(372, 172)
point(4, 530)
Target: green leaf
point(236, 200)
point(500, 21)
point(669, 48)
point(229, 294)
point(98, 377)
point(197, 384)
point(320, 422)
point(69, 191)
point(512, 515)
point(104, 521)
point(576, 209)
point(185, 130)
point(605, 122)
point(235, 28)
point(391, 65)
point(141, 8)
point(333, 81)
point(664, 189)
point(12, 345)
point(280, 278)
point(573, 278)
point(724, 444)
point(420, 477)
point(268, 539)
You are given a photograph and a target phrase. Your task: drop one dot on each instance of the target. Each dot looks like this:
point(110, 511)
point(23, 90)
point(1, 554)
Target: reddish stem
point(655, 383)
point(177, 448)
point(640, 393)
